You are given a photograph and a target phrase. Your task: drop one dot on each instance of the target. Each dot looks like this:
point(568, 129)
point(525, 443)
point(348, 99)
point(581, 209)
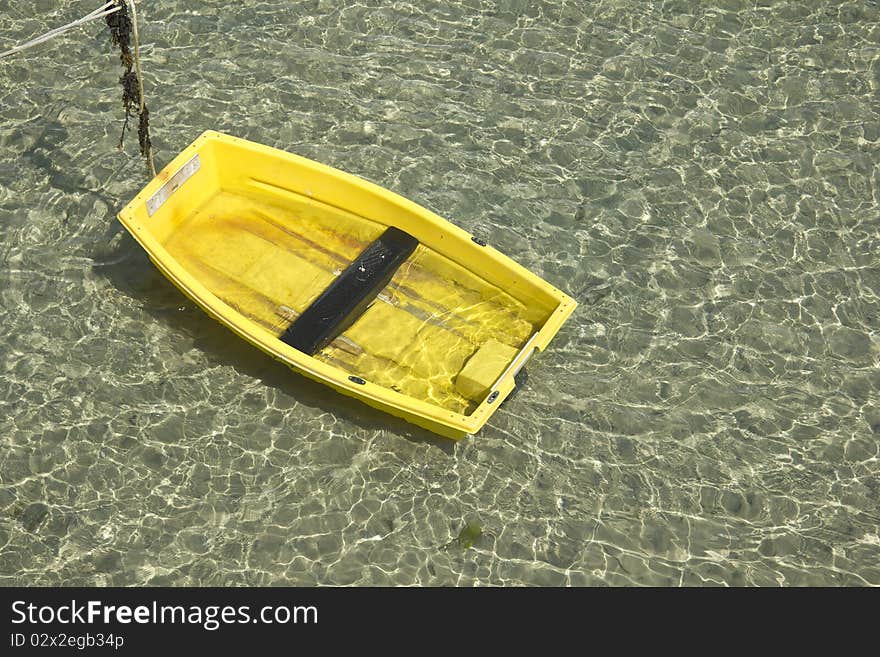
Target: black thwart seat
point(351, 293)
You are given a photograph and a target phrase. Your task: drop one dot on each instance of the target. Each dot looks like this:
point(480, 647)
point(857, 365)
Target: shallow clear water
point(702, 176)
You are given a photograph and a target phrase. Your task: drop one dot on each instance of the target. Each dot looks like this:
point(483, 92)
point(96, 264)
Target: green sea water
point(702, 176)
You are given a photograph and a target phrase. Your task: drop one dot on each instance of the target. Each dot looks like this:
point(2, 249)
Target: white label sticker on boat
point(185, 173)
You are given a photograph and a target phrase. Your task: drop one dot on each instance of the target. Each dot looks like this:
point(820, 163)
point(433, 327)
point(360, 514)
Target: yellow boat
point(346, 282)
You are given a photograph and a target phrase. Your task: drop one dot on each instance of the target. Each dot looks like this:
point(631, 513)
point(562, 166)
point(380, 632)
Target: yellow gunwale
point(424, 414)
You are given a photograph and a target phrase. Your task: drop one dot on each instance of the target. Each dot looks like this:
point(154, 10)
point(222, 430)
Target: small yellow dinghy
point(346, 282)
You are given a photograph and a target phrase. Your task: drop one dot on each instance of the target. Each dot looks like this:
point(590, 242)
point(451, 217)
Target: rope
point(137, 65)
point(122, 29)
point(101, 12)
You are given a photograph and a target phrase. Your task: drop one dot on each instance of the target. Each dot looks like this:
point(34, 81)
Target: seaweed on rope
point(124, 35)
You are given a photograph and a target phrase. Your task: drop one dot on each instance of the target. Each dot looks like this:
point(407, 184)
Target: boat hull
point(255, 235)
